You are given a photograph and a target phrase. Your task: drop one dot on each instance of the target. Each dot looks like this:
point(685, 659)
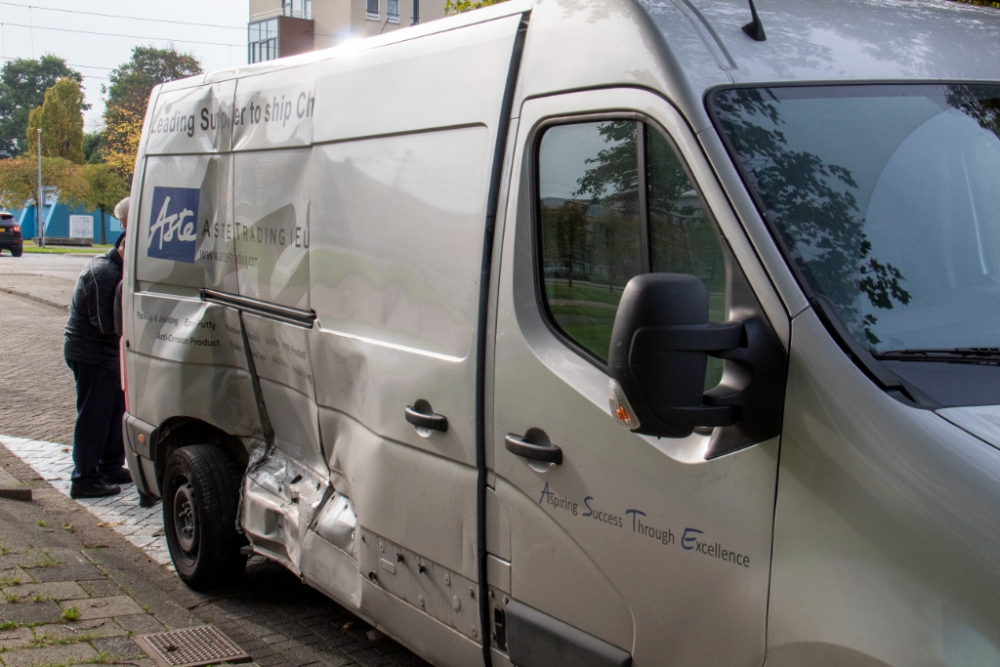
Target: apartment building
point(285, 27)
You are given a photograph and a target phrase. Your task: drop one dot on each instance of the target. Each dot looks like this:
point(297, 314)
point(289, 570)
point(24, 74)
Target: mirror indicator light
point(620, 408)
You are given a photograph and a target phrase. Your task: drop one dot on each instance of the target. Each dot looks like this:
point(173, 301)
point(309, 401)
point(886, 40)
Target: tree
point(811, 204)
point(23, 83)
point(128, 95)
point(19, 181)
point(93, 147)
point(460, 6)
point(61, 121)
point(105, 188)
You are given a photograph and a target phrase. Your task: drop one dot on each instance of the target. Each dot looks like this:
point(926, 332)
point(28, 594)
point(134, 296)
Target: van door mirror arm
point(720, 405)
point(658, 359)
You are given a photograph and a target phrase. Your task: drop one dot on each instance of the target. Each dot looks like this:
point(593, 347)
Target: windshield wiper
point(971, 355)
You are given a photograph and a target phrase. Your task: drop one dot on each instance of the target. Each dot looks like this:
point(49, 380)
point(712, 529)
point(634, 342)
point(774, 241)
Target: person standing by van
point(91, 352)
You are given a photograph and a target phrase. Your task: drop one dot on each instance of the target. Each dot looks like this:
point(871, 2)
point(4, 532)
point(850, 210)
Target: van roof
point(684, 47)
point(823, 40)
point(807, 40)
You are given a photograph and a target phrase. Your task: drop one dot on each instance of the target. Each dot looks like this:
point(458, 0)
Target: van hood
point(982, 421)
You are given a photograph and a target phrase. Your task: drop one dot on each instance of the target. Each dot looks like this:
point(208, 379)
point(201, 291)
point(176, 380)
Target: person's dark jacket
point(90, 330)
point(118, 293)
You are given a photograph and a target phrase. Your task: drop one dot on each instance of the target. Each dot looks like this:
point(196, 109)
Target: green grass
point(7, 581)
point(45, 640)
point(560, 289)
point(97, 248)
point(588, 325)
point(49, 560)
point(97, 659)
point(10, 625)
point(71, 614)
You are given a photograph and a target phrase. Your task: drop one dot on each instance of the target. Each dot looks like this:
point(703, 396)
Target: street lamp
point(41, 195)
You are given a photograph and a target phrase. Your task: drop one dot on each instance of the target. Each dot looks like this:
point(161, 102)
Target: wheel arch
point(178, 432)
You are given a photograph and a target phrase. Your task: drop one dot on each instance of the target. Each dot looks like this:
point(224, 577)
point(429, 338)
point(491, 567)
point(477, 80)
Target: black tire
point(201, 487)
point(16, 252)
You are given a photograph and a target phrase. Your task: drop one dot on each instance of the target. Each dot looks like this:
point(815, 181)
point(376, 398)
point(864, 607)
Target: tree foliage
point(19, 181)
point(460, 6)
point(93, 147)
point(615, 174)
point(105, 188)
point(61, 120)
point(811, 204)
point(23, 83)
point(128, 95)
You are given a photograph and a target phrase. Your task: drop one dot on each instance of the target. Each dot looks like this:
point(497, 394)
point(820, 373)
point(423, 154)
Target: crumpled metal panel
point(394, 488)
point(336, 523)
point(281, 496)
point(329, 552)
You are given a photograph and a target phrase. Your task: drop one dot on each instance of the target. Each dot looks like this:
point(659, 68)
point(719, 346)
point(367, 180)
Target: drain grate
point(191, 647)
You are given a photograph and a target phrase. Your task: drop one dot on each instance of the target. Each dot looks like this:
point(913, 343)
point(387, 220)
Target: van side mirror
point(659, 357)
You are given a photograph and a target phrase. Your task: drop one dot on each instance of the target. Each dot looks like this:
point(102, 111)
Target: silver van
point(590, 332)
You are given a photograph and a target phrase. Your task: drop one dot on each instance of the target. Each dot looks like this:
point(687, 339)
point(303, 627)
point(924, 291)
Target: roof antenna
point(755, 28)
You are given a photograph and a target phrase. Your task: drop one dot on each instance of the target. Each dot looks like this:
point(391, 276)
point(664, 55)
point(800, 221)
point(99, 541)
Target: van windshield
point(886, 199)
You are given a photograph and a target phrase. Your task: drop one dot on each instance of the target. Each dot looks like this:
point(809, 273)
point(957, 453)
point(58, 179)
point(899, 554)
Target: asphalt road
point(279, 619)
point(65, 267)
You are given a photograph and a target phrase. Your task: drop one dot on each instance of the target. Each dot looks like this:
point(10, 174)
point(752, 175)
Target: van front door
point(607, 547)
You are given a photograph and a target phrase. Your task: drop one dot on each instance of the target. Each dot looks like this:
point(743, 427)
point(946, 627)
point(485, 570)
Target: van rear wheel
point(16, 252)
point(201, 487)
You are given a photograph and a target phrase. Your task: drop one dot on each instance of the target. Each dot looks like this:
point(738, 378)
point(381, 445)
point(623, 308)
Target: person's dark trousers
point(97, 440)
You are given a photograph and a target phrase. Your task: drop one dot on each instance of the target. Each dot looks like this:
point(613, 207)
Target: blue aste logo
point(173, 224)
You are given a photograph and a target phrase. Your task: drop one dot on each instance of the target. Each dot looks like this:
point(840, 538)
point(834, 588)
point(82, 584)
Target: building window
point(297, 9)
point(371, 9)
point(392, 11)
point(262, 41)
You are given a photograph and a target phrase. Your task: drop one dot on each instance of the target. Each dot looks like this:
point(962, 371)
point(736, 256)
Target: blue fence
point(56, 222)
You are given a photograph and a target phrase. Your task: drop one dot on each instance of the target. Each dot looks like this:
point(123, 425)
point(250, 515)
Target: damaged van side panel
point(309, 285)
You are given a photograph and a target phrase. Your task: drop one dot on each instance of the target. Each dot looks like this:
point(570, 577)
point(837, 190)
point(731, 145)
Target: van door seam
point(493, 196)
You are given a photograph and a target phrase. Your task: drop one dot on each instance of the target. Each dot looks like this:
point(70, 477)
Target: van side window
point(615, 201)
point(590, 228)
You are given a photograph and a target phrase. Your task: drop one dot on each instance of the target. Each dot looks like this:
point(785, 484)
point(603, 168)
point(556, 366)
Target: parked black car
point(10, 234)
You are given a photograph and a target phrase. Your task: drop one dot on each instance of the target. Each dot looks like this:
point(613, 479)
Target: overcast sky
point(95, 55)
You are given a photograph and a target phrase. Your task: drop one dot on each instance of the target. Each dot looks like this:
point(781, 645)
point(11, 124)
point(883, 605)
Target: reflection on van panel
point(589, 333)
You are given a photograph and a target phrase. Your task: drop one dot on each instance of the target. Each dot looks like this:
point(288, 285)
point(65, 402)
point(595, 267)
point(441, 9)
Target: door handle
point(546, 453)
point(431, 420)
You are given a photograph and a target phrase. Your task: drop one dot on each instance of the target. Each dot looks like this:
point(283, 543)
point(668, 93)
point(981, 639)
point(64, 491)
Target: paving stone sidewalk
point(74, 592)
point(54, 463)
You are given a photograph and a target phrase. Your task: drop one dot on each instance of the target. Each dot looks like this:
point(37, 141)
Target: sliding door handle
point(429, 419)
point(546, 453)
